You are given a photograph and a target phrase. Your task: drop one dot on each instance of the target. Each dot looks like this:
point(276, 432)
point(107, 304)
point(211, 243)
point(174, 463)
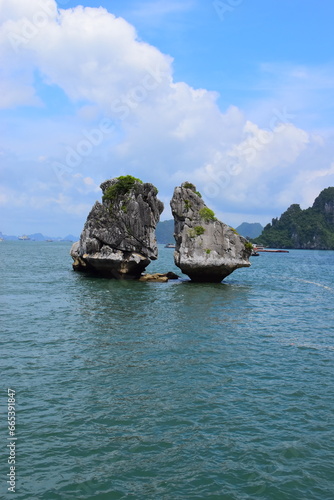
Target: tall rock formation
point(118, 238)
point(206, 249)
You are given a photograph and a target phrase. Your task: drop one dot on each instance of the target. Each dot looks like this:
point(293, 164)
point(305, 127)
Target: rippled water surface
point(168, 390)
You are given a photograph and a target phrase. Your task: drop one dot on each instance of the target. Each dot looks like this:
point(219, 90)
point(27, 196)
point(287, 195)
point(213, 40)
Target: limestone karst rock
point(159, 277)
point(118, 238)
point(206, 249)
point(308, 229)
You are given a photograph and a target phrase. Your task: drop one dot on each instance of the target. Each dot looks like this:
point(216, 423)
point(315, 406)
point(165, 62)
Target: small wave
point(315, 283)
point(317, 347)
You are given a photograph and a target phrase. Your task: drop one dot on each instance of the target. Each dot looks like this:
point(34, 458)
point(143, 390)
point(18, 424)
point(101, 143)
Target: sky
point(235, 96)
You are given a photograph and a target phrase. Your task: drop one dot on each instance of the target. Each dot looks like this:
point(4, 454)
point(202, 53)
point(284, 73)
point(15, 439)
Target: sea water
point(129, 390)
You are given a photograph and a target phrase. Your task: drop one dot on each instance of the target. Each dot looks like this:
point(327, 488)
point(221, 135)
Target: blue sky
point(234, 95)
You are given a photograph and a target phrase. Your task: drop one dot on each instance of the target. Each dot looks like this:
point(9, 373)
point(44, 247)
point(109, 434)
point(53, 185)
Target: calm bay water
point(168, 391)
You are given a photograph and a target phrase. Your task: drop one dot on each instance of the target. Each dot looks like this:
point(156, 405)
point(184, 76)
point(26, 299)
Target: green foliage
point(123, 185)
point(234, 231)
point(187, 204)
point(207, 214)
point(189, 185)
point(248, 246)
point(199, 230)
point(324, 204)
point(208, 251)
point(297, 228)
point(196, 231)
point(325, 197)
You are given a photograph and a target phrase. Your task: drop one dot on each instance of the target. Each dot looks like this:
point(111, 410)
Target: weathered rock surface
point(118, 238)
point(206, 249)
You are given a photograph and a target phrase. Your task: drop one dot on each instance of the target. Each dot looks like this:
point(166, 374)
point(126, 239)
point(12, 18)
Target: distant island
point(250, 230)
point(312, 228)
point(165, 231)
point(37, 237)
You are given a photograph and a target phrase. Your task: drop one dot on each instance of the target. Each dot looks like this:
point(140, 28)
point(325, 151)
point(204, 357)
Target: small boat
point(170, 245)
point(261, 249)
point(24, 237)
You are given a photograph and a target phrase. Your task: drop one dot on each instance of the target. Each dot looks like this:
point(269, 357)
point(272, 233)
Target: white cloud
point(95, 56)
point(307, 182)
point(18, 10)
point(167, 131)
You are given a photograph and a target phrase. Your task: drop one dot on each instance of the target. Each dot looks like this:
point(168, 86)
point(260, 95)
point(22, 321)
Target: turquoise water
point(168, 391)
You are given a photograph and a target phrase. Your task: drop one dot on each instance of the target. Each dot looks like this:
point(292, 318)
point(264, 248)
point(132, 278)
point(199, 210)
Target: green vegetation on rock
point(248, 246)
point(123, 185)
point(196, 231)
point(312, 228)
point(189, 185)
point(207, 214)
point(199, 230)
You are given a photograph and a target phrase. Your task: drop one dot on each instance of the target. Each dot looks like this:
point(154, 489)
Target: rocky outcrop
point(206, 249)
point(118, 239)
point(308, 229)
point(159, 277)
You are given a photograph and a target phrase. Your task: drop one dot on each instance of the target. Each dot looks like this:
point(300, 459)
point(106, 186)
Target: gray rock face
point(206, 249)
point(118, 239)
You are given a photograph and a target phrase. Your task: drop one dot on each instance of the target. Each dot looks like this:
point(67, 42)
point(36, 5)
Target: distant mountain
point(250, 229)
point(165, 231)
point(37, 237)
point(312, 228)
point(70, 237)
point(8, 237)
point(41, 237)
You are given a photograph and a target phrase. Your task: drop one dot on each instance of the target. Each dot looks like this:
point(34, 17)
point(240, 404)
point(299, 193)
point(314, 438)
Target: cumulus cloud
point(124, 113)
